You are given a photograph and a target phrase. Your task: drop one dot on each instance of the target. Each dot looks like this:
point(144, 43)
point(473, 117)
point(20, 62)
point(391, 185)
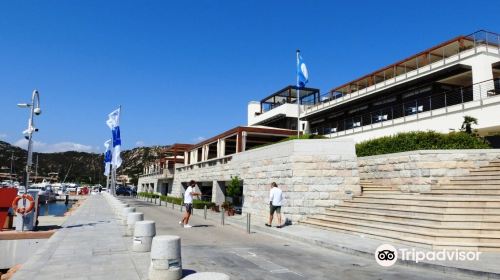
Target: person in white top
point(188, 203)
point(275, 201)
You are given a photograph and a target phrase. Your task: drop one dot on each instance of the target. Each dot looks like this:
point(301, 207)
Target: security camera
point(37, 111)
point(36, 130)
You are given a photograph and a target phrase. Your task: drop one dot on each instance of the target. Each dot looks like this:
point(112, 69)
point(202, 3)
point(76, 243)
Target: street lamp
point(28, 133)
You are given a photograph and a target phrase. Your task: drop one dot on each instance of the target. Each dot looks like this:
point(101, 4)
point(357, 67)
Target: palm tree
point(467, 124)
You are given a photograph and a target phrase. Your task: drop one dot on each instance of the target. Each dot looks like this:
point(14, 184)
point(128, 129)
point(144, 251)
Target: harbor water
point(55, 208)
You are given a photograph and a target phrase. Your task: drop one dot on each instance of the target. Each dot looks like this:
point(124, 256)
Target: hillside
point(80, 166)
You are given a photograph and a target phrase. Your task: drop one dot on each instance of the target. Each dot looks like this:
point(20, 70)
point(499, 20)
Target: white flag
point(113, 123)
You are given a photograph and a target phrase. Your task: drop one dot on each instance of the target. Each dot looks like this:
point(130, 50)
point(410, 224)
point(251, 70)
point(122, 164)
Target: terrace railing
point(162, 172)
point(475, 42)
point(412, 108)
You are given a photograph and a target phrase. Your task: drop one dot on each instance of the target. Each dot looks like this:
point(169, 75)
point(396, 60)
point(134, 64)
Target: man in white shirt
point(275, 201)
point(188, 204)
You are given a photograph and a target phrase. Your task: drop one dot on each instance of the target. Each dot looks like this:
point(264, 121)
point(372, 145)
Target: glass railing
point(479, 91)
point(418, 64)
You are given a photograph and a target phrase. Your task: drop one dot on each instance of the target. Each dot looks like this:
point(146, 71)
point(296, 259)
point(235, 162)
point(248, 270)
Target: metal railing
point(161, 172)
point(202, 164)
point(420, 64)
point(413, 108)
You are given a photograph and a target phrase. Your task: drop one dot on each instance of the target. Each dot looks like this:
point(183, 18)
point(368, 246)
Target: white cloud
point(200, 138)
point(3, 136)
point(41, 147)
point(139, 143)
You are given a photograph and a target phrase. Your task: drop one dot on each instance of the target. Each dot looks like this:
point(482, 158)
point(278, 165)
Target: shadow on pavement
point(186, 272)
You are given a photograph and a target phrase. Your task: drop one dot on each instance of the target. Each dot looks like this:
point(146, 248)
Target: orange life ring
point(22, 210)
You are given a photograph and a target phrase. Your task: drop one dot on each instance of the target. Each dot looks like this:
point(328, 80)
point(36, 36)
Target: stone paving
point(89, 246)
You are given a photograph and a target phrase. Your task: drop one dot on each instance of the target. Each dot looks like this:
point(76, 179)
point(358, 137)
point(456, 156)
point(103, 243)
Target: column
point(482, 74)
point(222, 147)
point(218, 188)
point(243, 140)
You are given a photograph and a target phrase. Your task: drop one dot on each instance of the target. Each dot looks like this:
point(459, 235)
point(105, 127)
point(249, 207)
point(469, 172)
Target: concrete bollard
point(207, 276)
point(132, 218)
point(166, 263)
point(124, 214)
point(144, 231)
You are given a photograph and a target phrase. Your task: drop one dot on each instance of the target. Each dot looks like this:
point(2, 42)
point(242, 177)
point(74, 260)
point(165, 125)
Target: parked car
point(121, 190)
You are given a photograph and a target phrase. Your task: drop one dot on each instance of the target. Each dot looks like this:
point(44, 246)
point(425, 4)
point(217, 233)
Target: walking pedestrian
point(188, 204)
point(275, 201)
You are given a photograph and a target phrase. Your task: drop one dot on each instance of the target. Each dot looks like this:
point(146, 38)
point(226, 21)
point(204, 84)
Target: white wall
point(253, 108)
point(288, 109)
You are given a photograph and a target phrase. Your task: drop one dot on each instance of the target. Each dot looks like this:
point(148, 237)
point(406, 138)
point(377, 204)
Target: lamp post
point(28, 133)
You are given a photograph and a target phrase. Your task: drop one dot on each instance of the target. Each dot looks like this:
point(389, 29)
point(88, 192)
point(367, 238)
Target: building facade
point(158, 175)
point(431, 90)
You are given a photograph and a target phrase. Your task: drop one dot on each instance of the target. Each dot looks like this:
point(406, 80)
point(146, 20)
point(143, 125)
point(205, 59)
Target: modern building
point(431, 90)
point(158, 175)
point(219, 150)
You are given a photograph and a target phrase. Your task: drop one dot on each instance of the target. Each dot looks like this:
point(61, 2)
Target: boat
point(45, 191)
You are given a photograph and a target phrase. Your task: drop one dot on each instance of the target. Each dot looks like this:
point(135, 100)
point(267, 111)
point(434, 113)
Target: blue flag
point(113, 123)
point(302, 73)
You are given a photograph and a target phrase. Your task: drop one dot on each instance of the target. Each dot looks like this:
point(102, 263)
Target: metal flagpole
point(113, 181)
point(298, 96)
point(108, 180)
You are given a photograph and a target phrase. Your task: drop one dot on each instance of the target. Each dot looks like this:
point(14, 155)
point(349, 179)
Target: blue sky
point(185, 70)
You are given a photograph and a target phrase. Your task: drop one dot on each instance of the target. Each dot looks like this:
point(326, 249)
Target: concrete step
point(464, 187)
point(417, 231)
point(412, 239)
point(477, 184)
point(378, 187)
point(423, 209)
point(487, 168)
point(431, 203)
point(418, 222)
point(448, 198)
point(474, 182)
point(365, 182)
point(464, 191)
point(464, 217)
point(477, 178)
point(492, 164)
point(474, 173)
point(380, 192)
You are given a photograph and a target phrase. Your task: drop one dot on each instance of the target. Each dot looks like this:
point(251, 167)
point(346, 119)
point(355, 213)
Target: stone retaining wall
point(313, 174)
point(416, 171)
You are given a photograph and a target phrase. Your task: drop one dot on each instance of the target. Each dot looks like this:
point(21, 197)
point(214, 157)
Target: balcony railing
point(415, 107)
point(162, 172)
point(425, 62)
point(210, 162)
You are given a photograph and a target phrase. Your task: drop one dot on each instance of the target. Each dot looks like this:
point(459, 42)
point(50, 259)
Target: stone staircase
point(463, 213)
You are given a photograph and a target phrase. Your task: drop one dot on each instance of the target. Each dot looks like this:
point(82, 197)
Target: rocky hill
point(79, 166)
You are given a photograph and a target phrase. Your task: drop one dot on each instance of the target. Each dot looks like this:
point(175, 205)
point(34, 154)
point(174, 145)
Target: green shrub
point(420, 140)
point(200, 204)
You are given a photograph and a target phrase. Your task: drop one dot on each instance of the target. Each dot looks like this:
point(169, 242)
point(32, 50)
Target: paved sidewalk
point(89, 246)
point(487, 267)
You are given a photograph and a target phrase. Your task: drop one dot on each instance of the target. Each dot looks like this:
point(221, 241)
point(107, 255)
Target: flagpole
point(298, 96)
